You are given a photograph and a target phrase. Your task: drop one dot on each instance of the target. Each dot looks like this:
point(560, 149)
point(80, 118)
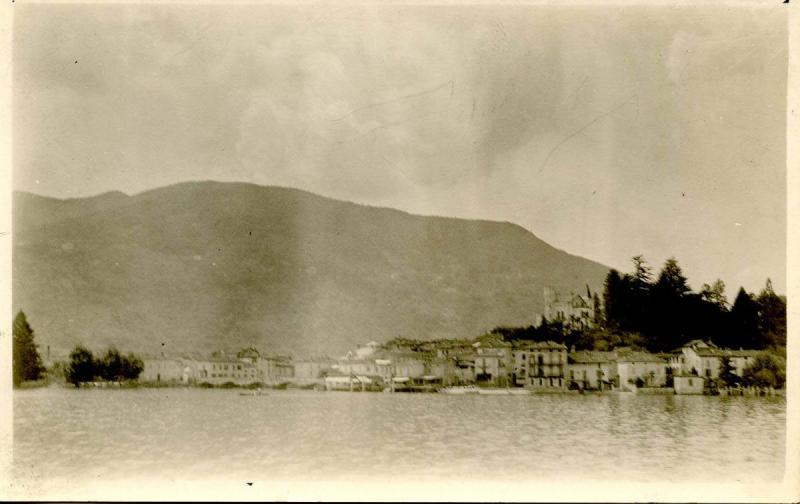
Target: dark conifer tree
point(26, 363)
point(772, 317)
point(743, 320)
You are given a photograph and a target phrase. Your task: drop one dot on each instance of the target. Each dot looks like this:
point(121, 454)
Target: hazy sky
point(607, 132)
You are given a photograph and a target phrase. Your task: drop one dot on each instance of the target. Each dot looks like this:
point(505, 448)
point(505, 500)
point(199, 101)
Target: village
point(485, 365)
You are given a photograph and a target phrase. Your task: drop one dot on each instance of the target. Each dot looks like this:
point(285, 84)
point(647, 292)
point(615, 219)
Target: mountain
point(202, 266)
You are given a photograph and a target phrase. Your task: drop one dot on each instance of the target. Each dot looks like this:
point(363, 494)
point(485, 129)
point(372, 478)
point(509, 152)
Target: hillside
point(203, 265)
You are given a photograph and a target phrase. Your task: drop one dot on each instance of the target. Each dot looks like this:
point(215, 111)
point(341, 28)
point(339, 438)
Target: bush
point(767, 370)
point(82, 366)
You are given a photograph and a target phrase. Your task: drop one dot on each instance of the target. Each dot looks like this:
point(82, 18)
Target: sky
point(606, 131)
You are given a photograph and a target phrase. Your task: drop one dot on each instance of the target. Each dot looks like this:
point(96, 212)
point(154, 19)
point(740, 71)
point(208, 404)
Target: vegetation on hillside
point(661, 313)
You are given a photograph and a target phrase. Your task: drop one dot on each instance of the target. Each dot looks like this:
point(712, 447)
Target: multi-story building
point(271, 368)
point(641, 369)
point(540, 365)
point(591, 370)
point(166, 371)
point(222, 370)
point(493, 362)
point(547, 363)
point(703, 358)
point(312, 368)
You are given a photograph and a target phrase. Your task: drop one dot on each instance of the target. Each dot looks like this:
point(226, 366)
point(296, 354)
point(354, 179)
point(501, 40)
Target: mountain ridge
point(208, 265)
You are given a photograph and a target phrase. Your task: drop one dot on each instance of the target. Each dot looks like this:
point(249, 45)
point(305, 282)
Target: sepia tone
point(265, 246)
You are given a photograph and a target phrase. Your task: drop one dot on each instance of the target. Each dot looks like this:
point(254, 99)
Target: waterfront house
point(221, 369)
point(641, 369)
point(688, 384)
point(357, 366)
point(408, 364)
point(312, 368)
point(493, 362)
point(547, 363)
point(383, 365)
point(540, 365)
point(165, 371)
point(740, 359)
point(592, 370)
point(271, 368)
point(701, 358)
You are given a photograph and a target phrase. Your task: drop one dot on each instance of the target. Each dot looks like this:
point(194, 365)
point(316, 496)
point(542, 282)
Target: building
point(384, 365)
point(591, 370)
point(547, 363)
point(312, 368)
point(574, 311)
point(688, 384)
point(223, 370)
point(540, 365)
point(703, 358)
point(493, 362)
point(166, 371)
point(641, 369)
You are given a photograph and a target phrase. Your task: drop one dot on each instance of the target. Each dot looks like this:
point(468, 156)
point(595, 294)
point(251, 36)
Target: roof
point(724, 352)
point(698, 343)
point(743, 353)
point(540, 345)
point(592, 357)
point(640, 357)
point(710, 352)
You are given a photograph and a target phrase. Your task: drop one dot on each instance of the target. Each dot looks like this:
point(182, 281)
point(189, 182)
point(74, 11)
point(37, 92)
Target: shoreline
point(493, 391)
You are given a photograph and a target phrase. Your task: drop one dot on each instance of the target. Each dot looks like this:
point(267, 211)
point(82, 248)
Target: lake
point(71, 434)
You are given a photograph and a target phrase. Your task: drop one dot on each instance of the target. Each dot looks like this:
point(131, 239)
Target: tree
point(26, 363)
point(82, 366)
point(614, 300)
point(642, 272)
point(771, 317)
point(669, 319)
point(767, 370)
point(744, 321)
point(111, 366)
point(726, 374)
point(638, 302)
point(671, 279)
point(132, 367)
point(715, 294)
point(597, 310)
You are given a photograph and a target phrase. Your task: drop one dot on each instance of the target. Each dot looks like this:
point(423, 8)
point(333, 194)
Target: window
point(690, 382)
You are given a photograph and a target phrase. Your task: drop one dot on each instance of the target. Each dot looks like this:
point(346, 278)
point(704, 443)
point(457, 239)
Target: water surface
point(179, 433)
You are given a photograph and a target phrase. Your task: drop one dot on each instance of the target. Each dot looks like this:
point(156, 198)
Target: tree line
point(83, 366)
point(113, 366)
point(661, 313)
point(666, 313)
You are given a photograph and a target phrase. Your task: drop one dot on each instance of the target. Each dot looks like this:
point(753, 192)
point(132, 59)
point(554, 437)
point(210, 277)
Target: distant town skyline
point(646, 130)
